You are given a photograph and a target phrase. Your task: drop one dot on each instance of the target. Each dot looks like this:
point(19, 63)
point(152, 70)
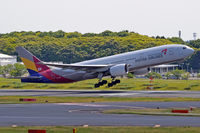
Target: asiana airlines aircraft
point(137, 62)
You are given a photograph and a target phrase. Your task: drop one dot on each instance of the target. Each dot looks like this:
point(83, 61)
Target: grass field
point(148, 111)
point(108, 129)
point(126, 84)
point(43, 99)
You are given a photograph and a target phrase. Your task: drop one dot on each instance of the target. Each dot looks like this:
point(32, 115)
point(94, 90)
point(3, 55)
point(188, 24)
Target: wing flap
point(78, 67)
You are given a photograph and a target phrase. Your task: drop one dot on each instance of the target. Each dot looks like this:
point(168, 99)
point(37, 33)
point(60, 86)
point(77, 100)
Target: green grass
point(107, 129)
point(48, 99)
point(149, 111)
point(126, 84)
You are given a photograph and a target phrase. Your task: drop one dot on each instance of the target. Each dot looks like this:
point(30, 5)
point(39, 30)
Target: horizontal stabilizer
point(30, 77)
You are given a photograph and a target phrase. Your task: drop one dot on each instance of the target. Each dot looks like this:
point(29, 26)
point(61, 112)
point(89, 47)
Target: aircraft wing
point(79, 67)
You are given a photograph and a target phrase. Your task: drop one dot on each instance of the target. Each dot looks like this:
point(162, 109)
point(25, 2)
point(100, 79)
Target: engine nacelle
point(142, 71)
point(119, 70)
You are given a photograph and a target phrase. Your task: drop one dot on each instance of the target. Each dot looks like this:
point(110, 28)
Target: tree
point(176, 40)
point(153, 75)
point(107, 33)
point(74, 35)
point(7, 69)
point(160, 37)
point(198, 75)
point(194, 43)
point(89, 35)
point(185, 76)
point(59, 34)
point(18, 70)
point(123, 33)
point(42, 34)
point(177, 73)
point(168, 74)
point(1, 70)
point(14, 70)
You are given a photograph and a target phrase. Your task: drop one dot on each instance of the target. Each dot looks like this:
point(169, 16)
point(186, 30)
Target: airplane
point(137, 62)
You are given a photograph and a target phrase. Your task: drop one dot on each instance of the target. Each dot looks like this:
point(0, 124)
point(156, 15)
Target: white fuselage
point(136, 60)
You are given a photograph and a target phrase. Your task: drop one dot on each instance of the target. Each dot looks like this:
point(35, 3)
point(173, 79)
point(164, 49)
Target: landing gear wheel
point(104, 81)
point(114, 82)
point(110, 84)
point(101, 83)
point(96, 85)
point(117, 81)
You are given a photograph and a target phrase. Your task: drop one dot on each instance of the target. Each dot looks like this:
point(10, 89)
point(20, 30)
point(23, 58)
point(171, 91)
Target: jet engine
point(142, 71)
point(119, 70)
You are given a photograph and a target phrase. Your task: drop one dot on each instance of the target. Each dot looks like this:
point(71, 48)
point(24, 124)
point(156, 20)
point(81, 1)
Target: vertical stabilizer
point(32, 63)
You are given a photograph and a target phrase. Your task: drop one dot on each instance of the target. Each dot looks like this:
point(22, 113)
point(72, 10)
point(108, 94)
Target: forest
point(74, 46)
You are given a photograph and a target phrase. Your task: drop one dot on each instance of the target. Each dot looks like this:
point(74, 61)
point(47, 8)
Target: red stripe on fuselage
point(54, 77)
point(46, 72)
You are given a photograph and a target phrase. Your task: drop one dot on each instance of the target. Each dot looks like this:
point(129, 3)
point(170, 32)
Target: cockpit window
point(184, 47)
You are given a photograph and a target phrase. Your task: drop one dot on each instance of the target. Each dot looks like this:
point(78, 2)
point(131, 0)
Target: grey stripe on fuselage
point(70, 73)
point(145, 57)
point(127, 58)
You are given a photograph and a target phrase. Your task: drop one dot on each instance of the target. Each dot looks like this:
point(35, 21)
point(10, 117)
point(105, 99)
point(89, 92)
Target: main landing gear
point(114, 82)
point(103, 82)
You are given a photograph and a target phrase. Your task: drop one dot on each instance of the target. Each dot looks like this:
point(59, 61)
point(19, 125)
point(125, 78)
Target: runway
point(97, 93)
point(78, 114)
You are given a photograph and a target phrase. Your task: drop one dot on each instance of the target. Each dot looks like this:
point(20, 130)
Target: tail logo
point(39, 69)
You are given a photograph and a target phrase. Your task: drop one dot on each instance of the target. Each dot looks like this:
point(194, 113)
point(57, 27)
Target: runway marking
point(82, 110)
point(32, 117)
point(119, 94)
point(82, 104)
point(100, 105)
point(128, 107)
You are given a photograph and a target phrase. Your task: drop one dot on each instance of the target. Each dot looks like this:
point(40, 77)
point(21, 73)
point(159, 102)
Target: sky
point(146, 17)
